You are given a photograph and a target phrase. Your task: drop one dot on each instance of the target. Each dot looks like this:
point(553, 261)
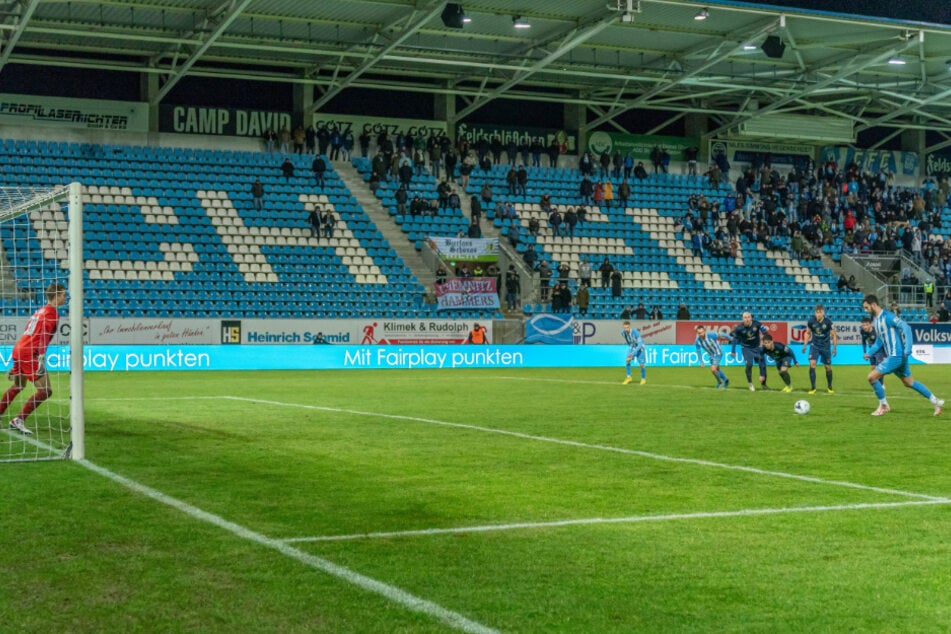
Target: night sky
point(933, 11)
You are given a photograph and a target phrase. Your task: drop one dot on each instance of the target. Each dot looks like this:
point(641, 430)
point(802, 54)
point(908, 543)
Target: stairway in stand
point(384, 222)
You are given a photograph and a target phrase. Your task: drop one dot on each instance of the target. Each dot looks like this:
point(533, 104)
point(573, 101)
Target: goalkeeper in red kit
point(29, 358)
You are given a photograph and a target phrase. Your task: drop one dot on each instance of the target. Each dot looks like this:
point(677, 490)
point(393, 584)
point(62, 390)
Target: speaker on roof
point(773, 46)
point(452, 15)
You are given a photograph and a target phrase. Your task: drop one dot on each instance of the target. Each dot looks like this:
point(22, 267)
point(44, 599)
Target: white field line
point(391, 593)
point(617, 520)
point(583, 445)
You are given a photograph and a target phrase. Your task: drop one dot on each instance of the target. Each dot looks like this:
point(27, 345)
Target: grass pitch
point(516, 501)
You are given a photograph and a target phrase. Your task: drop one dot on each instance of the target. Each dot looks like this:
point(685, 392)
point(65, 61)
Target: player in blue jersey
point(784, 357)
point(893, 336)
point(709, 343)
point(822, 340)
point(747, 334)
point(868, 340)
point(636, 349)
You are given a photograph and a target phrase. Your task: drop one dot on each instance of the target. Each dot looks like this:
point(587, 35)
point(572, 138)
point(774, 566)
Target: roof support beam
point(724, 50)
point(414, 22)
point(20, 23)
point(219, 21)
point(571, 41)
point(846, 70)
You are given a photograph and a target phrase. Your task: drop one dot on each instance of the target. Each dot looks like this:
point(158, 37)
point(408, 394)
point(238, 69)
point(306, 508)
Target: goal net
point(42, 396)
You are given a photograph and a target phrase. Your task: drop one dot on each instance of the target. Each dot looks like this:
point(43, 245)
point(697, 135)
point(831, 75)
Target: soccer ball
point(801, 407)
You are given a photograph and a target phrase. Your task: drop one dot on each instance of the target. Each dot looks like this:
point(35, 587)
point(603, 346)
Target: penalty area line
point(633, 519)
point(584, 445)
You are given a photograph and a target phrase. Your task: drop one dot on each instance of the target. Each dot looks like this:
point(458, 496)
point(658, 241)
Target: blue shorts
point(898, 366)
point(715, 358)
point(822, 355)
point(754, 356)
point(640, 357)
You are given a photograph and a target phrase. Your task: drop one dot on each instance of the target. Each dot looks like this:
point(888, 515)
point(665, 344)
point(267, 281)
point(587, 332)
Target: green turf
point(302, 455)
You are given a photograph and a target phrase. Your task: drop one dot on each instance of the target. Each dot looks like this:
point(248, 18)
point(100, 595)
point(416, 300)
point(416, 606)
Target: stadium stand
point(174, 232)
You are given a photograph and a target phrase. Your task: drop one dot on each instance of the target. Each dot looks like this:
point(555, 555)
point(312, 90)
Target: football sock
point(749, 374)
point(38, 397)
point(879, 390)
point(8, 397)
point(627, 368)
point(643, 373)
point(721, 375)
point(921, 389)
point(785, 377)
point(829, 378)
point(812, 377)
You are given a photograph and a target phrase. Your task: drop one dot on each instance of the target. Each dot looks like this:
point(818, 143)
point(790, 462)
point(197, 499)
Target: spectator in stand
point(623, 193)
point(555, 221)
point(284, 138)
point(486, 192)
point(616, 281)
point(586, 189)
point(319, 168)
point(329, 223)
point(597, 195)
point(554, 151)
point(364, 141)
point(544, 279)
point(533, 226)
point(522, 181)
point(530, 256)
point(585, 164)
point(270, 140)
point(287, 169)
point(604, 162)
point(257, 194)
point(690, 155)
point(628, 166)
point(584, 273)
point(513, 287)
point(511, 180)
point(323, 139)
point(655, 314)
point(606, 269)
point(607, 190)
point(683, 313)
point(310, 139)
point(453, 201)
point(315, 220)
point(583, 300)
point(571, 220)
point(347, 147)
point(299, 137)
point(640, 172)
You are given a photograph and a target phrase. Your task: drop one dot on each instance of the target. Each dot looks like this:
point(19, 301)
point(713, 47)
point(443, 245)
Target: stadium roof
point(610, 58)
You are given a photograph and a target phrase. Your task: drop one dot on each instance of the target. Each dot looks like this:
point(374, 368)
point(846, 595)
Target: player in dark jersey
point(820, 333)
point(29, 358)
point(747, 334)
point(783, 356)
point(869, 338)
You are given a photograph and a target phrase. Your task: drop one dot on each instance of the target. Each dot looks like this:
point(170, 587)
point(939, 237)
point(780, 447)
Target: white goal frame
point(73, 194)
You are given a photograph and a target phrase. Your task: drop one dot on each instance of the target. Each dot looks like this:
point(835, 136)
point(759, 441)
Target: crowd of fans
point(805, 211)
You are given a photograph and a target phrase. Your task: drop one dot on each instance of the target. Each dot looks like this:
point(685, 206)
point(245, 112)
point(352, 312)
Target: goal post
point(41, 243)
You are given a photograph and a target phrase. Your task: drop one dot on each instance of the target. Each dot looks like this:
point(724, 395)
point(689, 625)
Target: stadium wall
point(932, 346)
point(107, 358)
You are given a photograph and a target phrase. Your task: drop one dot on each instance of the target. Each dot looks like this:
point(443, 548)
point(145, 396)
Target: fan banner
point(467, 292)
point(466, 249)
